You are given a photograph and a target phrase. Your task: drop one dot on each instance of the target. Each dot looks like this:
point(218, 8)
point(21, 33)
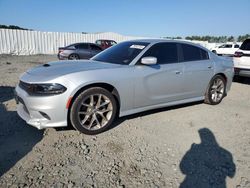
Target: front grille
point(26, 86)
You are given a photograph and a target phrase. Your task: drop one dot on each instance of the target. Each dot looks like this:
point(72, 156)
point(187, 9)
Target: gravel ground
point(194, 145)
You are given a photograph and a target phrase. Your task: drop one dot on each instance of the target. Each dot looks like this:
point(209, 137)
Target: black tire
point(210, 91)
point(73, 57)
point(214, 51)
point(77, 105)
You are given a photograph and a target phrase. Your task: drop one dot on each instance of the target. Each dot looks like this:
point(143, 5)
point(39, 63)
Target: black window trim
point(179, 53)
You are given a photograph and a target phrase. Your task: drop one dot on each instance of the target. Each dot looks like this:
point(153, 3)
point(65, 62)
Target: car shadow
point(242, 80)
point(149, 112)
point(16, 137)
point(207, 164)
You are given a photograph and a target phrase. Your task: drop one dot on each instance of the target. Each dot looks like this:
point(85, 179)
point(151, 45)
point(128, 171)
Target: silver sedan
point(128, 78)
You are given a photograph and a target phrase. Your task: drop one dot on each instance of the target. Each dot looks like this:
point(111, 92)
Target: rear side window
point(164, 52)
point(236, 46)
point(193, 53)
point(82, 46)
point(71, 47)
point(94, 47)
point(245, 45)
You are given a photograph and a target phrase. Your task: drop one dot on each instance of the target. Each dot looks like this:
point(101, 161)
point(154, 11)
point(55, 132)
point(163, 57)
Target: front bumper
point(41, 112)
point(241, 72)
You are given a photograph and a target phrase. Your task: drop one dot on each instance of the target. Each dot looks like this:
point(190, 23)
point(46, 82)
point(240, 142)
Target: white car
point(226, 49)
point(242, 60)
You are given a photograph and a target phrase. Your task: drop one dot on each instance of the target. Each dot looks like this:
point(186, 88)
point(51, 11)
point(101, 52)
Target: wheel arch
point(104, 85)
point(220, 74)
point(223, 75)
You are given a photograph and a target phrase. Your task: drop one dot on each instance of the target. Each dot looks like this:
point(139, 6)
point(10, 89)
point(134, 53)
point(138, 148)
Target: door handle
point(210, 67)
point(177, 72)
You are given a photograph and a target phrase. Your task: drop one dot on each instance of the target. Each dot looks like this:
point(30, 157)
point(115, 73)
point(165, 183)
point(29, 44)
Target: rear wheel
point(73, 57)
point(93, 111)
point(216, 90)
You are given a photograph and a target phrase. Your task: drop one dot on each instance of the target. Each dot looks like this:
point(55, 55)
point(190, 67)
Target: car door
point(198, 70)
point(228, 49)
point(94, 49)
point(162, 82)
point(235, 48)
point(83, 51)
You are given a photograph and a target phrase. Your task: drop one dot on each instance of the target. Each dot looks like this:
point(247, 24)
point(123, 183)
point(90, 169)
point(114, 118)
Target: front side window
point(94, 47)
point(193, 53)
point(164, 52)
point(122, 53)
point(236, 46)
point(228, 46)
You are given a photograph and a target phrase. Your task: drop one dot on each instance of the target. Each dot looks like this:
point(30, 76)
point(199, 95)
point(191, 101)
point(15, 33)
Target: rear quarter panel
point(225, 65)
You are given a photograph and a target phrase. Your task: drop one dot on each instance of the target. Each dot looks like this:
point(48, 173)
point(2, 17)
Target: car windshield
point(245, 45)
point(122, 53)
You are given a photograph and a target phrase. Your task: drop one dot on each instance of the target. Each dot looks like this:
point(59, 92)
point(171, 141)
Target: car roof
point(153, 41)
point(82, 43)
point(105, 40)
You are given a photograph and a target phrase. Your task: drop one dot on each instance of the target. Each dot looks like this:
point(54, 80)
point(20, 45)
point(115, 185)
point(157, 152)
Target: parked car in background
point(242, 60)
point(226, 49)
point(131, 77)
point(104, 44)
point(79, 51)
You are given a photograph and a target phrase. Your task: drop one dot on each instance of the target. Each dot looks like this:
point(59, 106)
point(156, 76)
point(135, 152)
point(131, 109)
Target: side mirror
point(149, 60)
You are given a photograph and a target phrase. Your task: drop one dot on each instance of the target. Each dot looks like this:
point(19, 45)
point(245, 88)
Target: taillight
point(238, 54)
point(60, 50)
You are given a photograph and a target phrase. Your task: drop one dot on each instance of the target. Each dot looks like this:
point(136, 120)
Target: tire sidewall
point(77, 102)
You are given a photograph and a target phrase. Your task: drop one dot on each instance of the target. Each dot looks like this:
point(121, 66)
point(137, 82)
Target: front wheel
point(93, 111)
point(216, 90)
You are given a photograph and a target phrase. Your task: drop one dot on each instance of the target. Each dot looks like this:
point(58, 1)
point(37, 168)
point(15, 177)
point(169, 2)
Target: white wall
point(22, 42)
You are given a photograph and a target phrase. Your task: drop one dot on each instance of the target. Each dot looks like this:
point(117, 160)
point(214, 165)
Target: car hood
point(60, 68)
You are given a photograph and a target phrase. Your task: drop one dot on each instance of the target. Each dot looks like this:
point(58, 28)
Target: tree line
point(13, 27)
point(215, 39)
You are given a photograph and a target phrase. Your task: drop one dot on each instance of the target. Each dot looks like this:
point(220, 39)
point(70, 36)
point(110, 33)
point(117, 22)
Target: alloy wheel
point(95, 111)
point(217, 90)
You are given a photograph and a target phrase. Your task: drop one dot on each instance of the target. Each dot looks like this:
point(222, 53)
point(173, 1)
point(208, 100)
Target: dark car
point(104, 44)
point(79, 51)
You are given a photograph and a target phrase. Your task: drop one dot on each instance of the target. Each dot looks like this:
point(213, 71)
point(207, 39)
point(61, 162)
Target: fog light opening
point(45, 115)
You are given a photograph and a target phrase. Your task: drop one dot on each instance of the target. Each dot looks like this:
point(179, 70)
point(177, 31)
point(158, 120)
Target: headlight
point(42, 89)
